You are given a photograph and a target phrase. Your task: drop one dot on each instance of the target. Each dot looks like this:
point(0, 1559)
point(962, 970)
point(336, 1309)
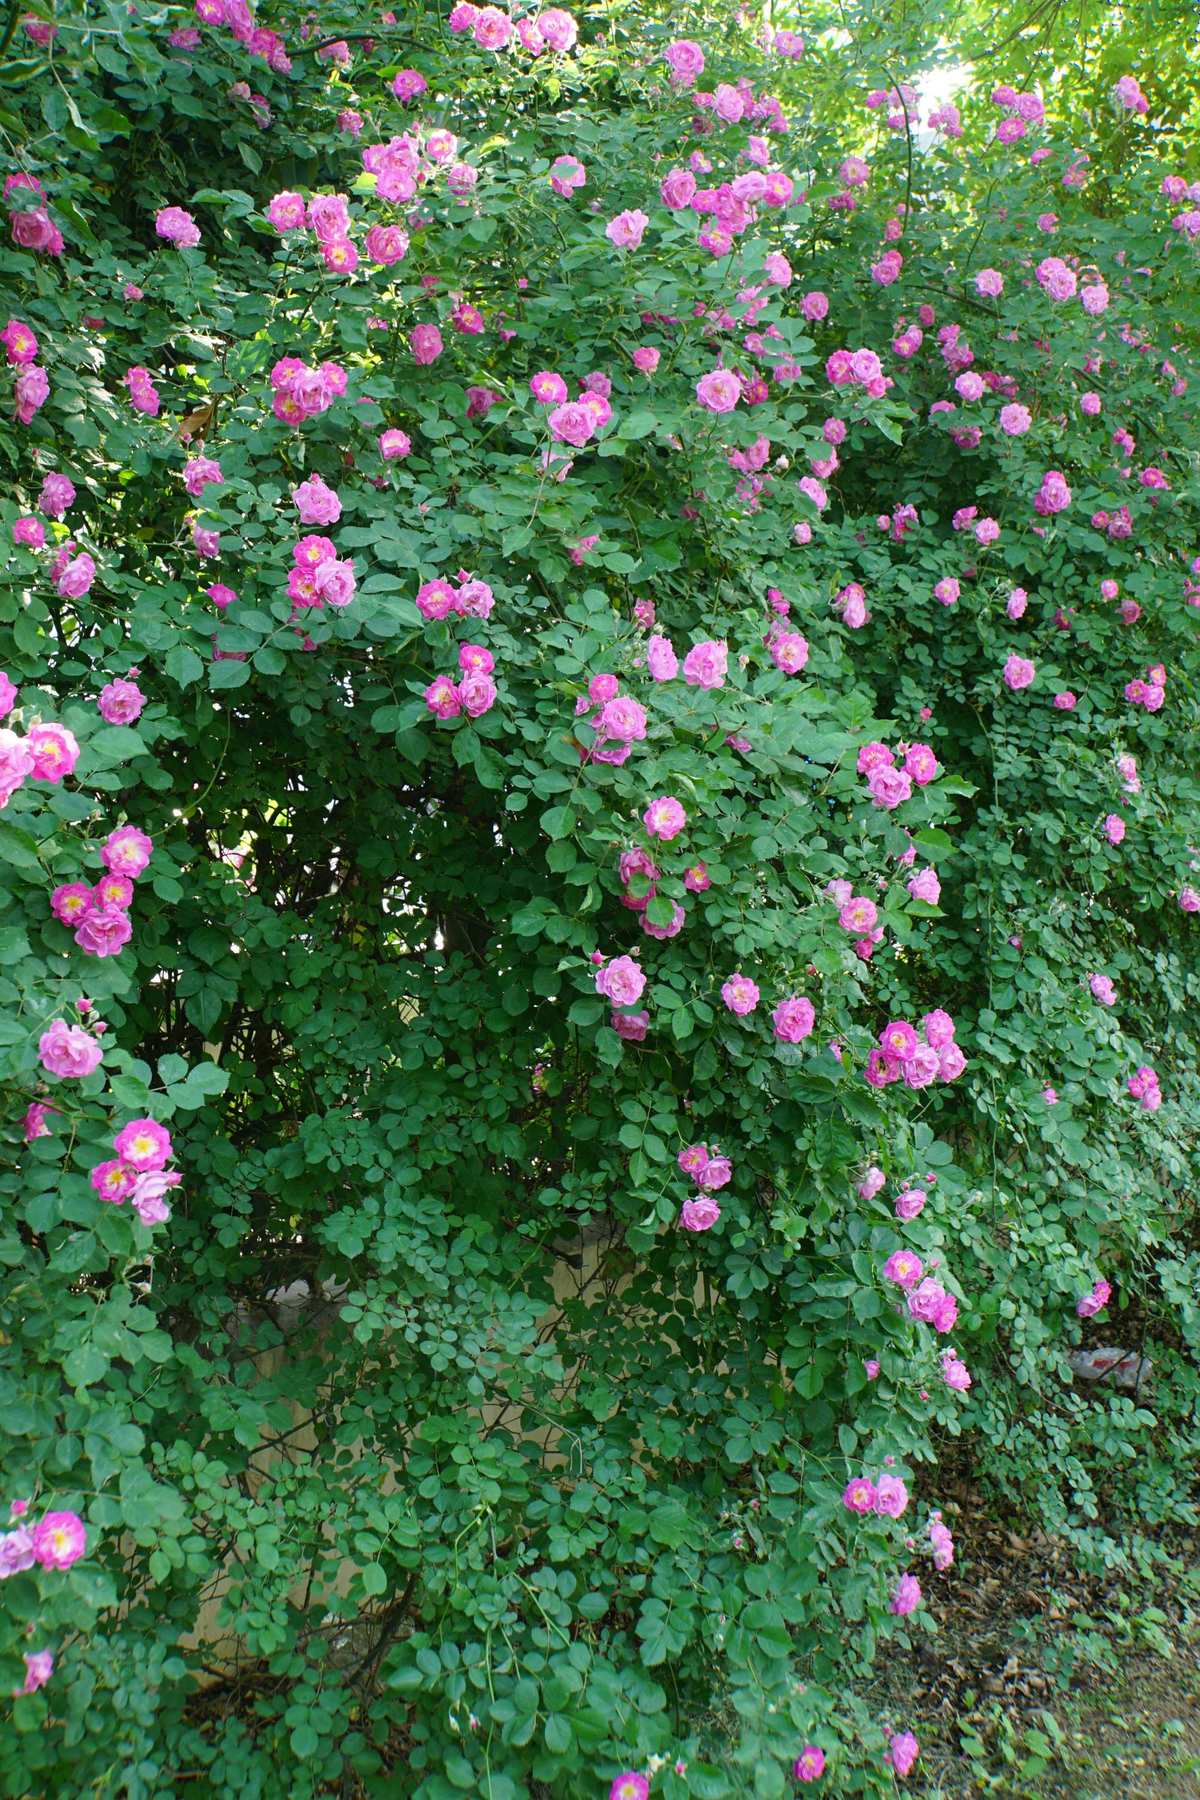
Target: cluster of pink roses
point(926, 1299)
point(143, 395)
point(731, 207)
point(858, 368)
point(236, 18)
point(406, 162)
point(1128, 95)
point(622, 981)
point(792, 1019)
point(57, 1541)
point(47, 752)
point(1021, 111)
point(328, 217)
point(570, 421)
point(857, 913)
point(618, 722)
point(32, 227)
point(474, 693)
point(318, 576)
point(1143, 1085)
point(100, 914)
point(138, 1172)
point(916, 1057)
point(941, 1542)
point(56, 497)
point(887, 1498)
point(1149, 691)
point(72, 574)
point(710, 1171)
point(637, 867)
point(705, 664)
point(888, 785)
point(492, 29)
point(31, 384)
point(439, 598)
point(302, 392)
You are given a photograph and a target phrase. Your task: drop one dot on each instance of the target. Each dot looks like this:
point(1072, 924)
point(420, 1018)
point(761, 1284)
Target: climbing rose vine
point(601, 876)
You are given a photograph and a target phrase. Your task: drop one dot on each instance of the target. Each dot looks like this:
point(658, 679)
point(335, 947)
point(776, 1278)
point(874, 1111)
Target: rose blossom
point(68, 1051)
point(793, 1019)
point(700, 1214)
point(621, 981)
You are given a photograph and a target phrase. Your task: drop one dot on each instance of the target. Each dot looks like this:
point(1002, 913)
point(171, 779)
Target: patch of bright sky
point(936, 86)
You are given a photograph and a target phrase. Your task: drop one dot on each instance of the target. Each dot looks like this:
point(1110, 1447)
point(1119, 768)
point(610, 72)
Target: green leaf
point(85, 1366)
point(183, 665)
point(18, 847)
point(559, 821)
point(558, 1734)
point(374, 1579)
point(669, 1524)
point(116, 744)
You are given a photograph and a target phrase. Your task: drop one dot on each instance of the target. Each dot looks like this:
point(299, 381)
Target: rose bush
point(600, 946)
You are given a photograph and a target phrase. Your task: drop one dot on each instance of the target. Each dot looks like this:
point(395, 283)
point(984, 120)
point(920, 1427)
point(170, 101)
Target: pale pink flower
point(705, 664)
point(120, 702)
point(625, 231)
point(719, 390)
point(740, 994)
point(1018, 672)
point(622, 981)
point(793, 1019)
point(700, 1214)
point(664, 818)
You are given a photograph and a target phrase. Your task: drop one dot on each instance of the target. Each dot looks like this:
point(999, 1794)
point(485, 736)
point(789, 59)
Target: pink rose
point(316, 503)
point(104, 931)
point(793, 1019)
point(625, 231)
point(1018, 672)
point(54, 751)
point(700, 1214)
point(622, 981)
point(68, 1051)
point(664, 818)
point(178, 227)
point(705, 664)
point(719, 391)
point(740, 994)
point(571, 424)
point(425, 341)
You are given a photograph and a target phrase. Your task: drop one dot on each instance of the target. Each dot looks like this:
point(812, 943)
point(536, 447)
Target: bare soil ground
point(1043, 1683)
